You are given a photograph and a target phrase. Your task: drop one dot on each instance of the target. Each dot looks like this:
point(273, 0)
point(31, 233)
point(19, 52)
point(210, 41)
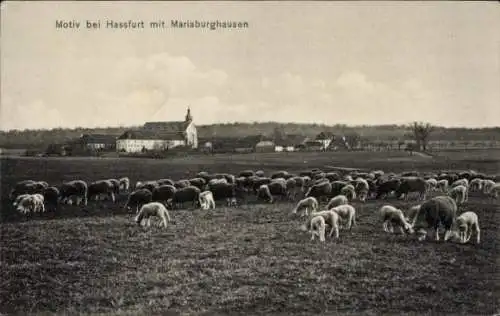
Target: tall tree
point(421, 133)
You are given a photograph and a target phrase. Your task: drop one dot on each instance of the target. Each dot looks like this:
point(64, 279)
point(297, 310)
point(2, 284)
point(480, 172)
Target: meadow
point(253, 259)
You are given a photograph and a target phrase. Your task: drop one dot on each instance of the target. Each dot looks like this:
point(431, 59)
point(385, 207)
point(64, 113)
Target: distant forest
point(42, 138)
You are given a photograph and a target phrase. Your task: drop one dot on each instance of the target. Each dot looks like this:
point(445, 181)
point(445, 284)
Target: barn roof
point(292, 140)
point(98, 138)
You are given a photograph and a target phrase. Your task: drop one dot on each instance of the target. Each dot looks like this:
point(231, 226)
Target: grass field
point(247, 260)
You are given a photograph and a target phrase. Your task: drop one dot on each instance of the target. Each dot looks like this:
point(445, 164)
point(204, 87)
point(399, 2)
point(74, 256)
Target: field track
point(247, 260)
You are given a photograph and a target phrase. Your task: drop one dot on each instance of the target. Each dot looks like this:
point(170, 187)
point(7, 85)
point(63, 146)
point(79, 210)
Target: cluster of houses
point(182, 135)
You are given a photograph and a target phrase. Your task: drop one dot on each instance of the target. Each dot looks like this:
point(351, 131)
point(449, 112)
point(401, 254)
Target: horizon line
point(402, 125)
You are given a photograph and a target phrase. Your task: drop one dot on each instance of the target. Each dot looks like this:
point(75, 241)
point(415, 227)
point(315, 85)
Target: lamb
point(346, 212)
point(336, 201)
point(466, 223)
point(318, 227)
point(153, 209)
point(309, 202)
point(459, 193)
point(331, 218)
point(207, 200)
point(32, 203)
point(393, 217)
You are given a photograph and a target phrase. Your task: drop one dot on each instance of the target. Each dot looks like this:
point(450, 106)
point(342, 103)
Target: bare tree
point(421, 132)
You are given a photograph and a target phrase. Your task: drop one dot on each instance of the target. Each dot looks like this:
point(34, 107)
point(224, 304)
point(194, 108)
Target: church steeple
point(189, 118)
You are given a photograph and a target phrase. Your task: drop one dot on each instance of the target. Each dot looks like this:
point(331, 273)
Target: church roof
point(151, 134)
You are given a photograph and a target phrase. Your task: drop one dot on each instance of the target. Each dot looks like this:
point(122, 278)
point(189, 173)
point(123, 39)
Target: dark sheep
point(187, 194)
point(163, 193)
point(437, 211)
point(138, 198)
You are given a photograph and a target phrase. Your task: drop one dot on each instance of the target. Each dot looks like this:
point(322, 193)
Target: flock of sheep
point(308, 189)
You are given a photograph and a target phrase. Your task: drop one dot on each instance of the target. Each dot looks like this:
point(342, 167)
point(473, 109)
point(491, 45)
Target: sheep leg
point(478, 233)
point(447, 234)
point(164, 221)
point(322, 233)
point(401, 230)
point(469, 233)
point(437, 233)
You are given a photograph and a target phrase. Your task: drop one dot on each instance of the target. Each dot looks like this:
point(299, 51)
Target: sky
point(309, 62)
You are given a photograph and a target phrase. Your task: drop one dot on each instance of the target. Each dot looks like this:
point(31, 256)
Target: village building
point(159, 136)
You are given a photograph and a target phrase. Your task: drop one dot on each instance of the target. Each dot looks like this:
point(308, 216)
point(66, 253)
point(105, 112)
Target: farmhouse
point(160, 136)
point(290, 143)
point(98, 141)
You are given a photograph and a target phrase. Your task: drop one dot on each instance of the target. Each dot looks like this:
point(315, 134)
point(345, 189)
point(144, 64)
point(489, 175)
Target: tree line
point(420, 132)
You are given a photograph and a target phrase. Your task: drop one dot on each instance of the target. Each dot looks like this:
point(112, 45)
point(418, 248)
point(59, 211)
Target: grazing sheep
point(440, 210)
point(305, 204)
point(432, 183)
point(51, 197)
point(124, 184)
point(99, 188)
point(264, 194)
point(138, 198)
point(163, 193)
point(347, 213)
point(331, 218)
point(458, 182)
point(466, 223)
point(319, 191)
point(488, 186)
point(336, 201)
point(442, 185)
point(32, 203)
point(77, 189)
point(412, 213)
point(394, 218)
point(349, 192)
point(385, 188)
point(153, 209)
point(410, 185)
point(207, 200)
point(19, 198)
point(318, 227)
point(459, 194)
point(476, 185)
point(187, 194)
point(494, 191)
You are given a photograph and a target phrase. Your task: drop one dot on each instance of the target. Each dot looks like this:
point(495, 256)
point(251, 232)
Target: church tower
point(189, 118)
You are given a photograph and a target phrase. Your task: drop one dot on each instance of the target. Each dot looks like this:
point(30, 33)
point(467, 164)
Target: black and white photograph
point(250, 158)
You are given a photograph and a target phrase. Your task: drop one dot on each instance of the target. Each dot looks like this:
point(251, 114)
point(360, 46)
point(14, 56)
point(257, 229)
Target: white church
point(160, 136)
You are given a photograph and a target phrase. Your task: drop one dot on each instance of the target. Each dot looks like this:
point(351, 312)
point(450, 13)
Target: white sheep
point(19, 198)
point(318, 227)
point(206, 200)
point(443, 185)
point(462, 181)
point(124, 184)
point(466, 223)
point(487, 186)
point(494, 191)
point(349, 192)
point(459, 193)
point(153, 209)
point(412, 213)
point(394, 217)
point(432, 183)
point(331, 218)
point(306, 204)
point(33, 203)
point(347, 213)
point(336, 201)
point(476, 185)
